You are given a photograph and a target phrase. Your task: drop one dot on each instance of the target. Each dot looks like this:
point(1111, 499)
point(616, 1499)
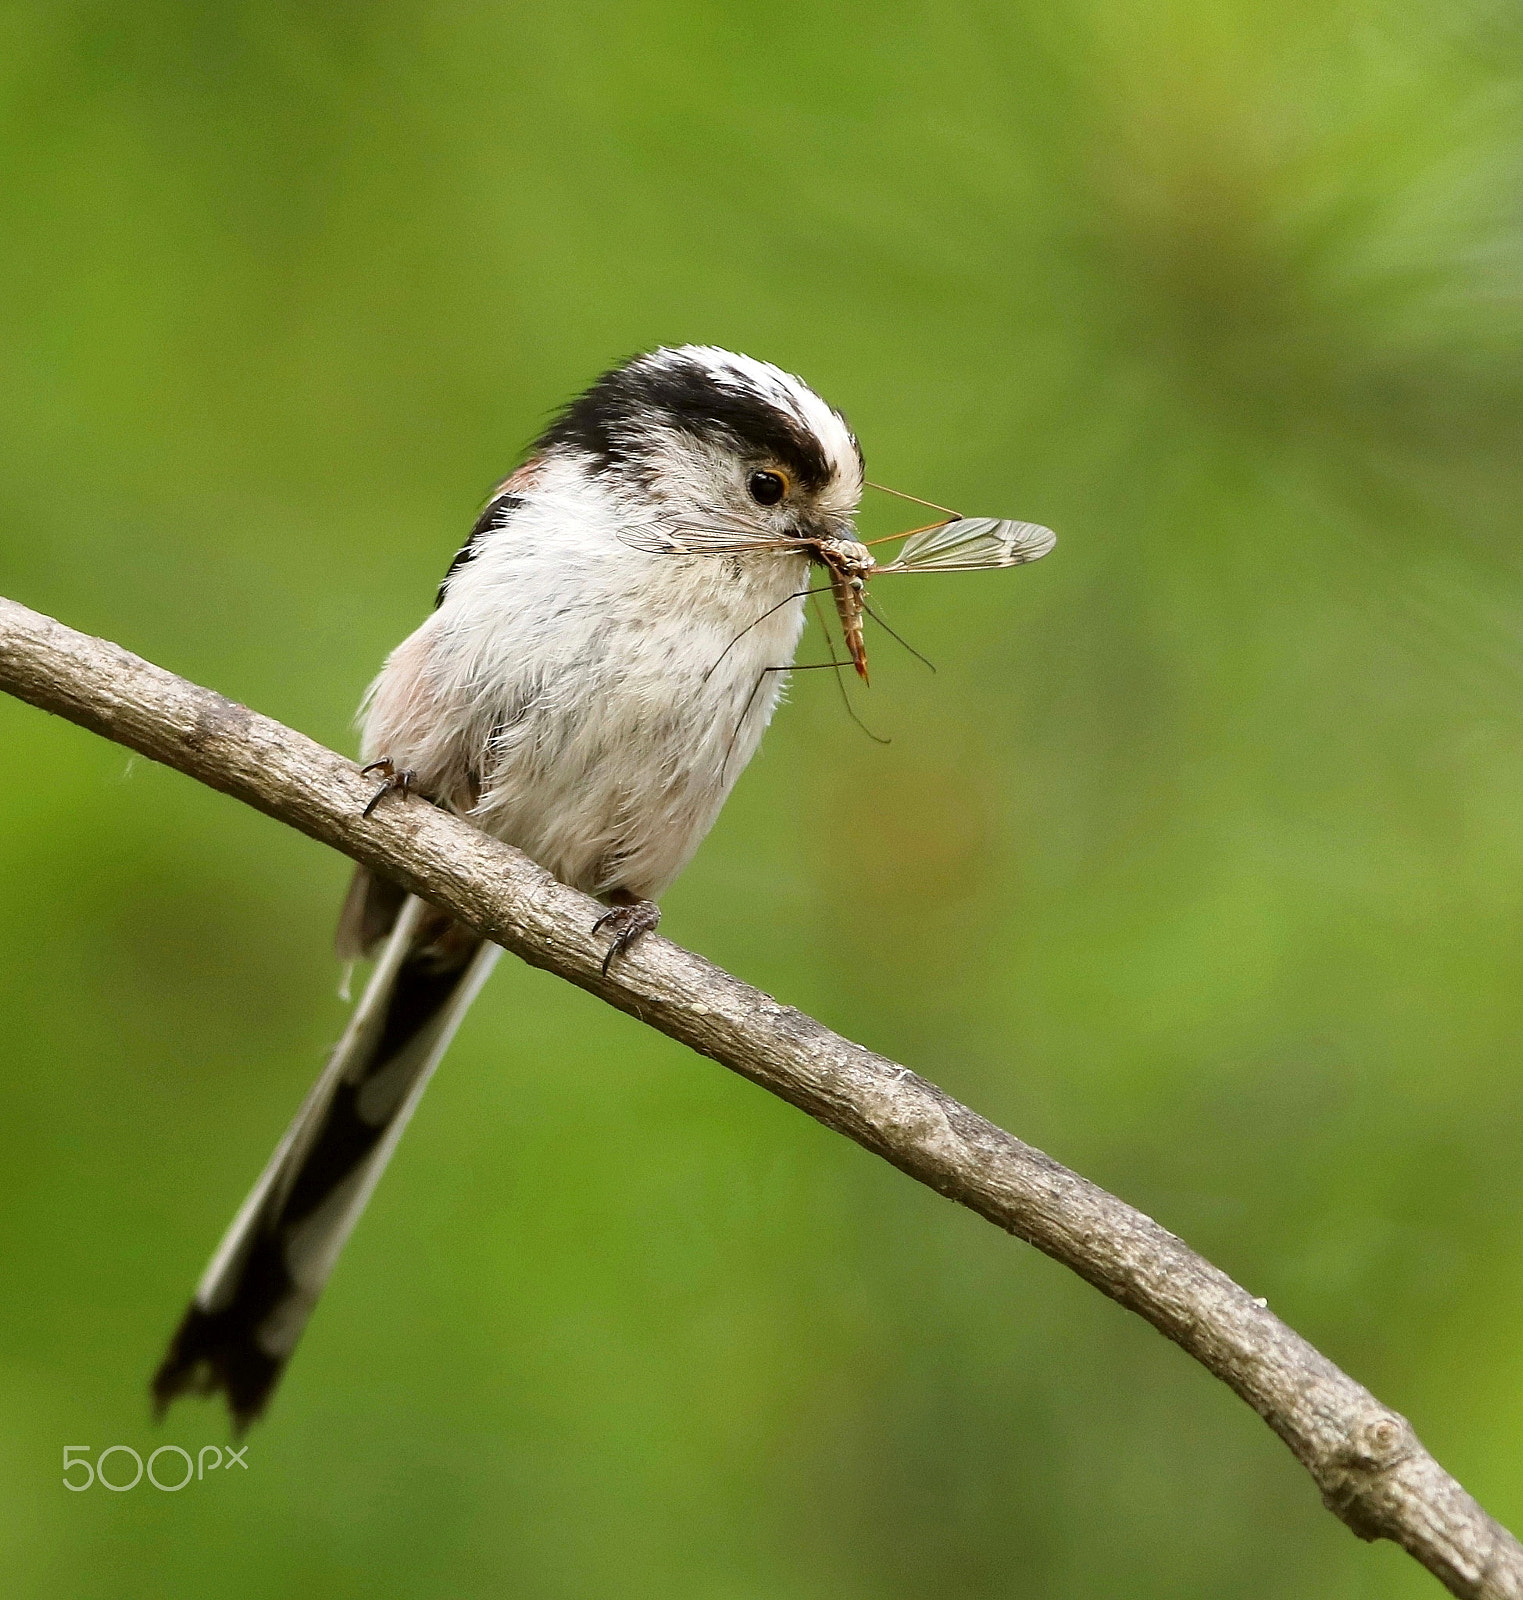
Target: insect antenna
point(892, 635)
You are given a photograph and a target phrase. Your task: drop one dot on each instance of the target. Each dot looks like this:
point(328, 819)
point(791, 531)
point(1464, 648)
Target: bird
point(602, 659)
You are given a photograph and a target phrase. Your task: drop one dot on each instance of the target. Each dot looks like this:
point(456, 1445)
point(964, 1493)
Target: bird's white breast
point(586, 701)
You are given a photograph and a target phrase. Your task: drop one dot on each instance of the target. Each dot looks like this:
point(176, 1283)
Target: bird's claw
point(396, 782)
point(628, 922)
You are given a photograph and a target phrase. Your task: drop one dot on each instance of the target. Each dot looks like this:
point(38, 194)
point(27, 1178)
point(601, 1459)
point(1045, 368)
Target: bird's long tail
point(256, 1295)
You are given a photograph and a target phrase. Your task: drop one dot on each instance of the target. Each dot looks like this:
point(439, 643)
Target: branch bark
point(1365, 1458)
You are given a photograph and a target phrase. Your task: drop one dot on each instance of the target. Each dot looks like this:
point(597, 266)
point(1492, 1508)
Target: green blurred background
point(1198, 863)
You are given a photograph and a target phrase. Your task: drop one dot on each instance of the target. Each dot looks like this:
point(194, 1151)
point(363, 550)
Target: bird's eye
point(767, 488)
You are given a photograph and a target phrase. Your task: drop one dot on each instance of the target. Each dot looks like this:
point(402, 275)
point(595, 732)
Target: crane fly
point(962, 544)
point(955, 544)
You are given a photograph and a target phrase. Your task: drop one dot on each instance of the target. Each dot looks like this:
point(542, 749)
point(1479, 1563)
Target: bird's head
point(722, 451)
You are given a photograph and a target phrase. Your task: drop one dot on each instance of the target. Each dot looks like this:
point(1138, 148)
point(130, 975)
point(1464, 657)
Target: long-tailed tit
point(604, 655)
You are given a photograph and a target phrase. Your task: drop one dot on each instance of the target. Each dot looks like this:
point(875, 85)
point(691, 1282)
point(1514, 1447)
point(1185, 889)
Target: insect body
point(850, 565)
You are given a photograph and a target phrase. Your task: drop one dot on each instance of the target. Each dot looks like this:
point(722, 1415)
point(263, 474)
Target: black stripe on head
point(615, 420)
point(495, 516)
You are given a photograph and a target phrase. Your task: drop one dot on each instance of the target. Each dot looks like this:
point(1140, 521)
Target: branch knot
point(1356, 1480)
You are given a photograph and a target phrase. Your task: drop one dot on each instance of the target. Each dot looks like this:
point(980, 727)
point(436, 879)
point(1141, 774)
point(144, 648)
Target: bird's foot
point(396, 782)
point(627, 921)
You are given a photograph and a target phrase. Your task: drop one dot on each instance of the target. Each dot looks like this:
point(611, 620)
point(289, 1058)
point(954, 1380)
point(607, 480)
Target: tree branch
point(1365, 1458)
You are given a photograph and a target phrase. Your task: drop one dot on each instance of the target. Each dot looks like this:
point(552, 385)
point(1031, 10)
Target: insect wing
point(663, 537)
point(972, 544)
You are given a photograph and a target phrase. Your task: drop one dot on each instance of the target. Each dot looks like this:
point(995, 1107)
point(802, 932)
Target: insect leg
point(748, 627)
point(899, 494)
point(841, 682)
point(894, 636)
